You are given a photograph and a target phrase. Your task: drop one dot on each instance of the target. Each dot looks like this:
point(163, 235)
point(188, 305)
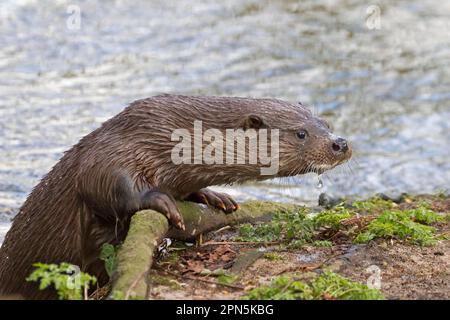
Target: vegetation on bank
point(328, 286)
point(360, 221)
point(69, 282)
point(410, 225)
point(109, 255)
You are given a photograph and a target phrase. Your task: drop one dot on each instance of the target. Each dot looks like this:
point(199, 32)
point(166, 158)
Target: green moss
point(329, 285)
point(136, 253)
point(406, 225)
point(272, 256)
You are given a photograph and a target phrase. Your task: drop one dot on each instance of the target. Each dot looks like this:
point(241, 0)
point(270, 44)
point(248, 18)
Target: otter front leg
point(220, 201)
point(112, 195)
point(108, 199)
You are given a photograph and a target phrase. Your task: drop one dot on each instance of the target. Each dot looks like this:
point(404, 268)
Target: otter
point(126, 165)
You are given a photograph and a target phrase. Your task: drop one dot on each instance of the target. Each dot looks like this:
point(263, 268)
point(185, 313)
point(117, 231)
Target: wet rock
point(327, 201)
point(397, 199)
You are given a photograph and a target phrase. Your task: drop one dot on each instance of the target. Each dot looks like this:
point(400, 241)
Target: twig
point(222, 229)
point(199, 240)
point(86, 291)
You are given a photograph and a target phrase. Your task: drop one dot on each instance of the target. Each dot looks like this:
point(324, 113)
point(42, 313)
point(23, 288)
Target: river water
point(380, 74)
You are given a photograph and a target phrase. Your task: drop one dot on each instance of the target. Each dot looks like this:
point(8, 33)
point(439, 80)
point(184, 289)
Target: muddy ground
point(405, 271)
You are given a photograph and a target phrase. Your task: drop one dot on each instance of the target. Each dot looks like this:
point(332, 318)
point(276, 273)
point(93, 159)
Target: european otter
point(89, 196)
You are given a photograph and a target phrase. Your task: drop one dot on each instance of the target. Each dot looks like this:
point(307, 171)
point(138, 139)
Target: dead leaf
point(194, 266)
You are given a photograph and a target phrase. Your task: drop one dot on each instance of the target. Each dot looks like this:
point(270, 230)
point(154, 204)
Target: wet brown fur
point(89, 196)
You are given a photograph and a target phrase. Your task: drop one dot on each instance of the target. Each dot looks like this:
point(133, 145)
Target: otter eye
point(302, 134)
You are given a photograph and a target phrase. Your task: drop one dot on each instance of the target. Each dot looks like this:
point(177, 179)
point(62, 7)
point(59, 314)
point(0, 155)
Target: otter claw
point(176, 222)
point(166, 205)
point(205, 200)
point(181, 226)
point(220, 201)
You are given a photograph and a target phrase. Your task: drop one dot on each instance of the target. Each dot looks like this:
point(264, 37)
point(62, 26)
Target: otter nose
point(340, 145)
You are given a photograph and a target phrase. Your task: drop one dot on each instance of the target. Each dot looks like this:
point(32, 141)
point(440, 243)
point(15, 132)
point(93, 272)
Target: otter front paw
point(166, 205)
point(220, 201)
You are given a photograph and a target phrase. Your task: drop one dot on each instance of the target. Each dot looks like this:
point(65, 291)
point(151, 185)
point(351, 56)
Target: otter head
point(311, 146)
point(306, 142)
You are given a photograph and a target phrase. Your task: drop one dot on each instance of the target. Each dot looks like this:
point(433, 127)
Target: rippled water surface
point(386, 89)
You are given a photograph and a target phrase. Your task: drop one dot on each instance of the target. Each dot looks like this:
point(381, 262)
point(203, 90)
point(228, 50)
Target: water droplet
point(319, 182)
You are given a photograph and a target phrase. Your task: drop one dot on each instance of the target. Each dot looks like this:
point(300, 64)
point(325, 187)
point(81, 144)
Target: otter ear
point(253, 122)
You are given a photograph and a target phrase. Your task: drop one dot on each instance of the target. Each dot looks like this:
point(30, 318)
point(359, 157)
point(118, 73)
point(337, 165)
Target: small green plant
point(108, 254)
point(295, 229)
point(424, 214)
point(285, 226)
point(406, 225)
point(342, 288)
point(227, 278)
point(332, 218)
point(69, 282)
point(326, 286)
point(374, 203)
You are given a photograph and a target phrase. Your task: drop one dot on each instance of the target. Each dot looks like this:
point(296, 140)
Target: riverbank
point(399, 246)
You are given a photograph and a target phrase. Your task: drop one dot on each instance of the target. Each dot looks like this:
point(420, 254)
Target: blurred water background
point(380, 72)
